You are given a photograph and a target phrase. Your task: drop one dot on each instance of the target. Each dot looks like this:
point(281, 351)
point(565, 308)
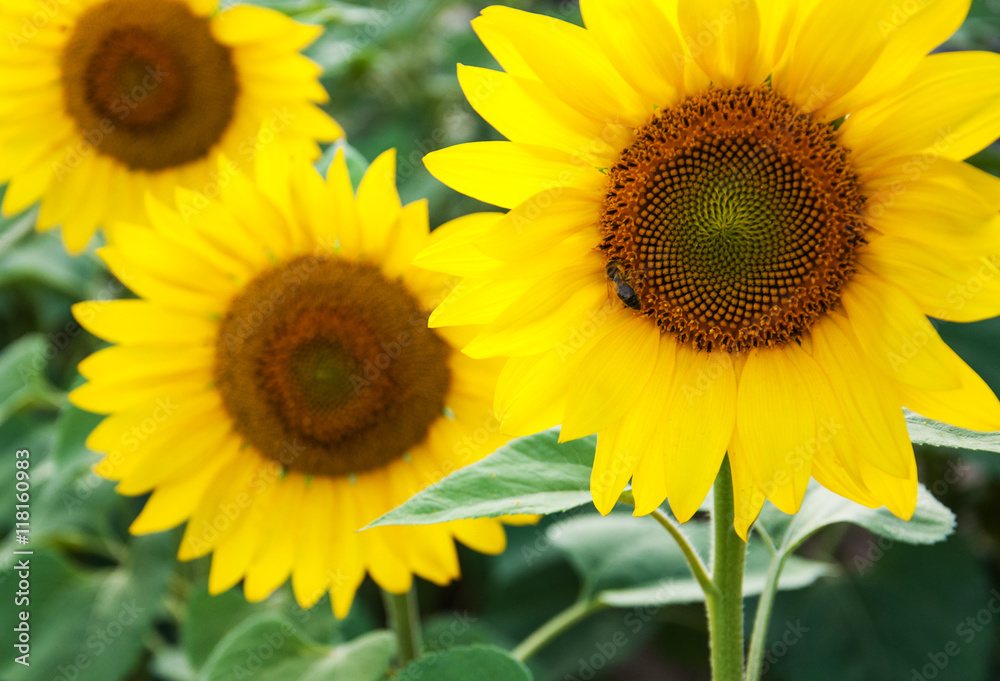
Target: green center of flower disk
point(328, 368)
point(732, 220)
point(147, 83)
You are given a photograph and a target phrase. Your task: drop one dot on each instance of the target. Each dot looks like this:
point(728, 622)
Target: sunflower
point(276, 385)
point(728, 223)
point(102, 101)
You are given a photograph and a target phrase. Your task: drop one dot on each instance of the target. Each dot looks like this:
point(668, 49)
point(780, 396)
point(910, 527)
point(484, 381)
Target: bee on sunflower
point(728, 224)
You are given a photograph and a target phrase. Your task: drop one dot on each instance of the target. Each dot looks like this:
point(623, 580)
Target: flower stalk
point(404, 619)
point(725, 604)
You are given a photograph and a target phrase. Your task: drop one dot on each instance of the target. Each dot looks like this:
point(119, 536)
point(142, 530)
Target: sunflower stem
point(698, 568)
point(404, 618)
point(755, 658)
point(725, 605)
point(554, 627)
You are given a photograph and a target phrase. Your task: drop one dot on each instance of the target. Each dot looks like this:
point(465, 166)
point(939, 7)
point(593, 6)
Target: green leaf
point(533, 474)
point(366, 658)
point(628, 562)
point(269, 647)
point(924, 431)
point(210, 618)
point(932, 522)
point(266, 647)
point(91, 624)
point(22, 375)
point(482, 663)
point(901, 612)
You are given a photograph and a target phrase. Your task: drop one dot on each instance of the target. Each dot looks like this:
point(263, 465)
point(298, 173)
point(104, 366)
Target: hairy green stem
point(755, 658)
point(698, 568)
point(725, 606)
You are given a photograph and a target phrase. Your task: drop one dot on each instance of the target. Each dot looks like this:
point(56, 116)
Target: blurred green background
point(108, 607)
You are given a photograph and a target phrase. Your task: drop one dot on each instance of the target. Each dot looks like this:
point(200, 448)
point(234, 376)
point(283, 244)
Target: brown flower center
point(329, 368)
point(732, 220)
point(147, 83)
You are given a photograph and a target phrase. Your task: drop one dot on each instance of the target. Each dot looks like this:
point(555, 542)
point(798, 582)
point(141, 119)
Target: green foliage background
point(106, 606)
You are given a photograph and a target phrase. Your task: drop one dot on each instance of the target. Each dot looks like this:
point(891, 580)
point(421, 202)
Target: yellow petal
point(748, 498)
point(378, 204)
point(245, 24)
point(568, 60)
point(641, 43)
point(699, 423)
point(506, 174)
point(953, 284)
point(310, 579)
point(776, 423)
point(913, 31)
point(451, 247)
point(381, 546)
point(477, 301)
point(620, 447)
point(535, 226)
point(550, 312)
point(873, 421)
point(139, 321)
point(344, 218)
point(173, 503)
point(406, 240)
point(531, 392)
point(485, 535)
point(973, 405)
point(730, 57)
point(814, 81)
point(897, 336)
point(278, 548)
point(611, 376)
point(527, 112)
point(224, 505)
point(947, 107)
point(151, 287)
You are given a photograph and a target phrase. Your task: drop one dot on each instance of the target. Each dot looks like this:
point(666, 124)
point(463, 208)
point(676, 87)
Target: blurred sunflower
point(728, 222)
point(106, 100)
point(277, 387)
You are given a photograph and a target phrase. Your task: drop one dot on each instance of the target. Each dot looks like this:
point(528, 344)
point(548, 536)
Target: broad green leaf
point(534, 474)
point(210, 618)
point(22, 374)
point(91, 624)
point(364, 659)
point(620, 551)
point(267, 647)
point(900, 613)
point(932, 522)
point(630, 562)
point(682, 588)
point(465, 663)
point(270, 647)
point(924, 431)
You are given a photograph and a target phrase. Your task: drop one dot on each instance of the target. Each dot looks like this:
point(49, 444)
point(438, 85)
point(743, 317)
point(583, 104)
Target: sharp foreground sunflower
point(276, 384)
point(102, 101)
point(728, 222)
